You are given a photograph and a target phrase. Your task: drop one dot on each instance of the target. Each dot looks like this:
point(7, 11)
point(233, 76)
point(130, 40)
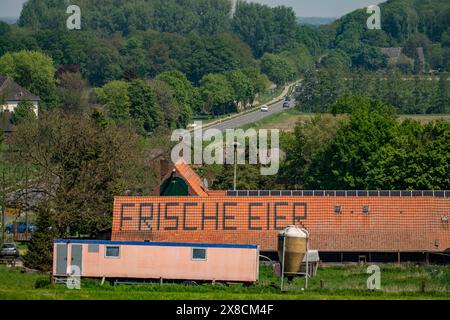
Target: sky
point(321, 8)
point(304, 8)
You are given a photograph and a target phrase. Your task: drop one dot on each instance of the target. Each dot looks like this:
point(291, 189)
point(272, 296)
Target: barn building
point(343, 225)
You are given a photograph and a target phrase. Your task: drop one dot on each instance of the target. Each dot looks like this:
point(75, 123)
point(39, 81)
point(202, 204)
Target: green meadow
point(338, 282)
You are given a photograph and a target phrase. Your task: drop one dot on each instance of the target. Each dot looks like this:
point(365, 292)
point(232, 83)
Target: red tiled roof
point(390, 224)
point(191, 178)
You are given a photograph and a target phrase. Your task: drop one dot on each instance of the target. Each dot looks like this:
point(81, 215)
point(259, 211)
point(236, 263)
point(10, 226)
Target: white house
point(12, 94)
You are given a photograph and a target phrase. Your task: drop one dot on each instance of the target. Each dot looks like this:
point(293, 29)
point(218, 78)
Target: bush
point(40, 250)
point(43, 283)
point(24, 111)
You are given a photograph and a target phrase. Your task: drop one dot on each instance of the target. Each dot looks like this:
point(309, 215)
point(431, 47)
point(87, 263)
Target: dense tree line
point(409, 95)
point(143, 38)
point(206, 17)
point(138, 55)
point(263, 28)
point(405, 23)
point(169, 100)
point(370, 149)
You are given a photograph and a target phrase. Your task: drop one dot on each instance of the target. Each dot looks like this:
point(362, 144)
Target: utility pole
point(235, 146)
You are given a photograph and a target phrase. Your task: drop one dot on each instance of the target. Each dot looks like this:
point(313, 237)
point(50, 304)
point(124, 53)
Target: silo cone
point(295, 249)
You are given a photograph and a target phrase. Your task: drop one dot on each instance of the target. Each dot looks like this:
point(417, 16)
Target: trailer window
point(93, 248)
point(198, 254)
point(112, 252)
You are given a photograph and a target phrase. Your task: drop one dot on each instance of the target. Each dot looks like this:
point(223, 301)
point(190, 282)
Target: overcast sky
point(304, 8)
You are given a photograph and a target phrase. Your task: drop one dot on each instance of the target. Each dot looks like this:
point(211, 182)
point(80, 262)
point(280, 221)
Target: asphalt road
point(250, 117)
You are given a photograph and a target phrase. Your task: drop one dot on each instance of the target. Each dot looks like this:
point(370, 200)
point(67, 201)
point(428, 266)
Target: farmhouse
point(11, 94)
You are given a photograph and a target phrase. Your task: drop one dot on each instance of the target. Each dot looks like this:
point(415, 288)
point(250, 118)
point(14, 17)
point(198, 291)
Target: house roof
point(14, 92)
point(191, 178)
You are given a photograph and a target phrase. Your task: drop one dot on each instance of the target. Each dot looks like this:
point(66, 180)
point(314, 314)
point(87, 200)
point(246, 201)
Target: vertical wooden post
point(398, 257)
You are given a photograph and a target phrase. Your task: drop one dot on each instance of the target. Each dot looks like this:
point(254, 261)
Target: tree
point(13, 38)
point(242, 86)
point(369, 57)
point(39, 254)
point(277, 68)
point(33, 71)
point(350, 104)
point(114, 95)
point(144, 107)
point(259, 81)
point(299, 58)
point(336, 59)
point(344, 164)
point(25, 111)
point(174, 115)
point(319, 90)
point(73, 92)
point(104, 63)
point(217, 93)
point(263, 28)
point(304, 147)
point(185, 93)
point(442, 102)
point(80, 167)
point(249, 178)
point(417, 158)
point(109, 16)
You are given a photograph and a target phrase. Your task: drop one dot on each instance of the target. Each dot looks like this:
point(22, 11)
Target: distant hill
point(10, 20)
point(409, 24)
point(401, 21)
point(315, 21)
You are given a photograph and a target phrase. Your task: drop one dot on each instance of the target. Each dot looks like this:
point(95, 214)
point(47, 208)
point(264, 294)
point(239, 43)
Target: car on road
point(264, 108)
point(9, 250)
point(287, 98)
point(286, 104)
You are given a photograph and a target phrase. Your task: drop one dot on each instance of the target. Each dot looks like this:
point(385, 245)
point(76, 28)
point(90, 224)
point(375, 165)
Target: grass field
point(345, 282)
point(287, 120)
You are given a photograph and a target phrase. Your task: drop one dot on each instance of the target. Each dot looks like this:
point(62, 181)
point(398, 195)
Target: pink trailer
point(152, 260)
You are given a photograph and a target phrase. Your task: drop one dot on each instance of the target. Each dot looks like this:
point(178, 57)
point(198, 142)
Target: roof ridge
point(16, 88)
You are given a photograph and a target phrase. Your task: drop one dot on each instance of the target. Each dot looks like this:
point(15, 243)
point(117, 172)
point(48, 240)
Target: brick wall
point(362, 223)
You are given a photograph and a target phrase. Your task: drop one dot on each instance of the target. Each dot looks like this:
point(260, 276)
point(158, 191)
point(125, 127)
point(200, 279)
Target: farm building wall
point(336, 224)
